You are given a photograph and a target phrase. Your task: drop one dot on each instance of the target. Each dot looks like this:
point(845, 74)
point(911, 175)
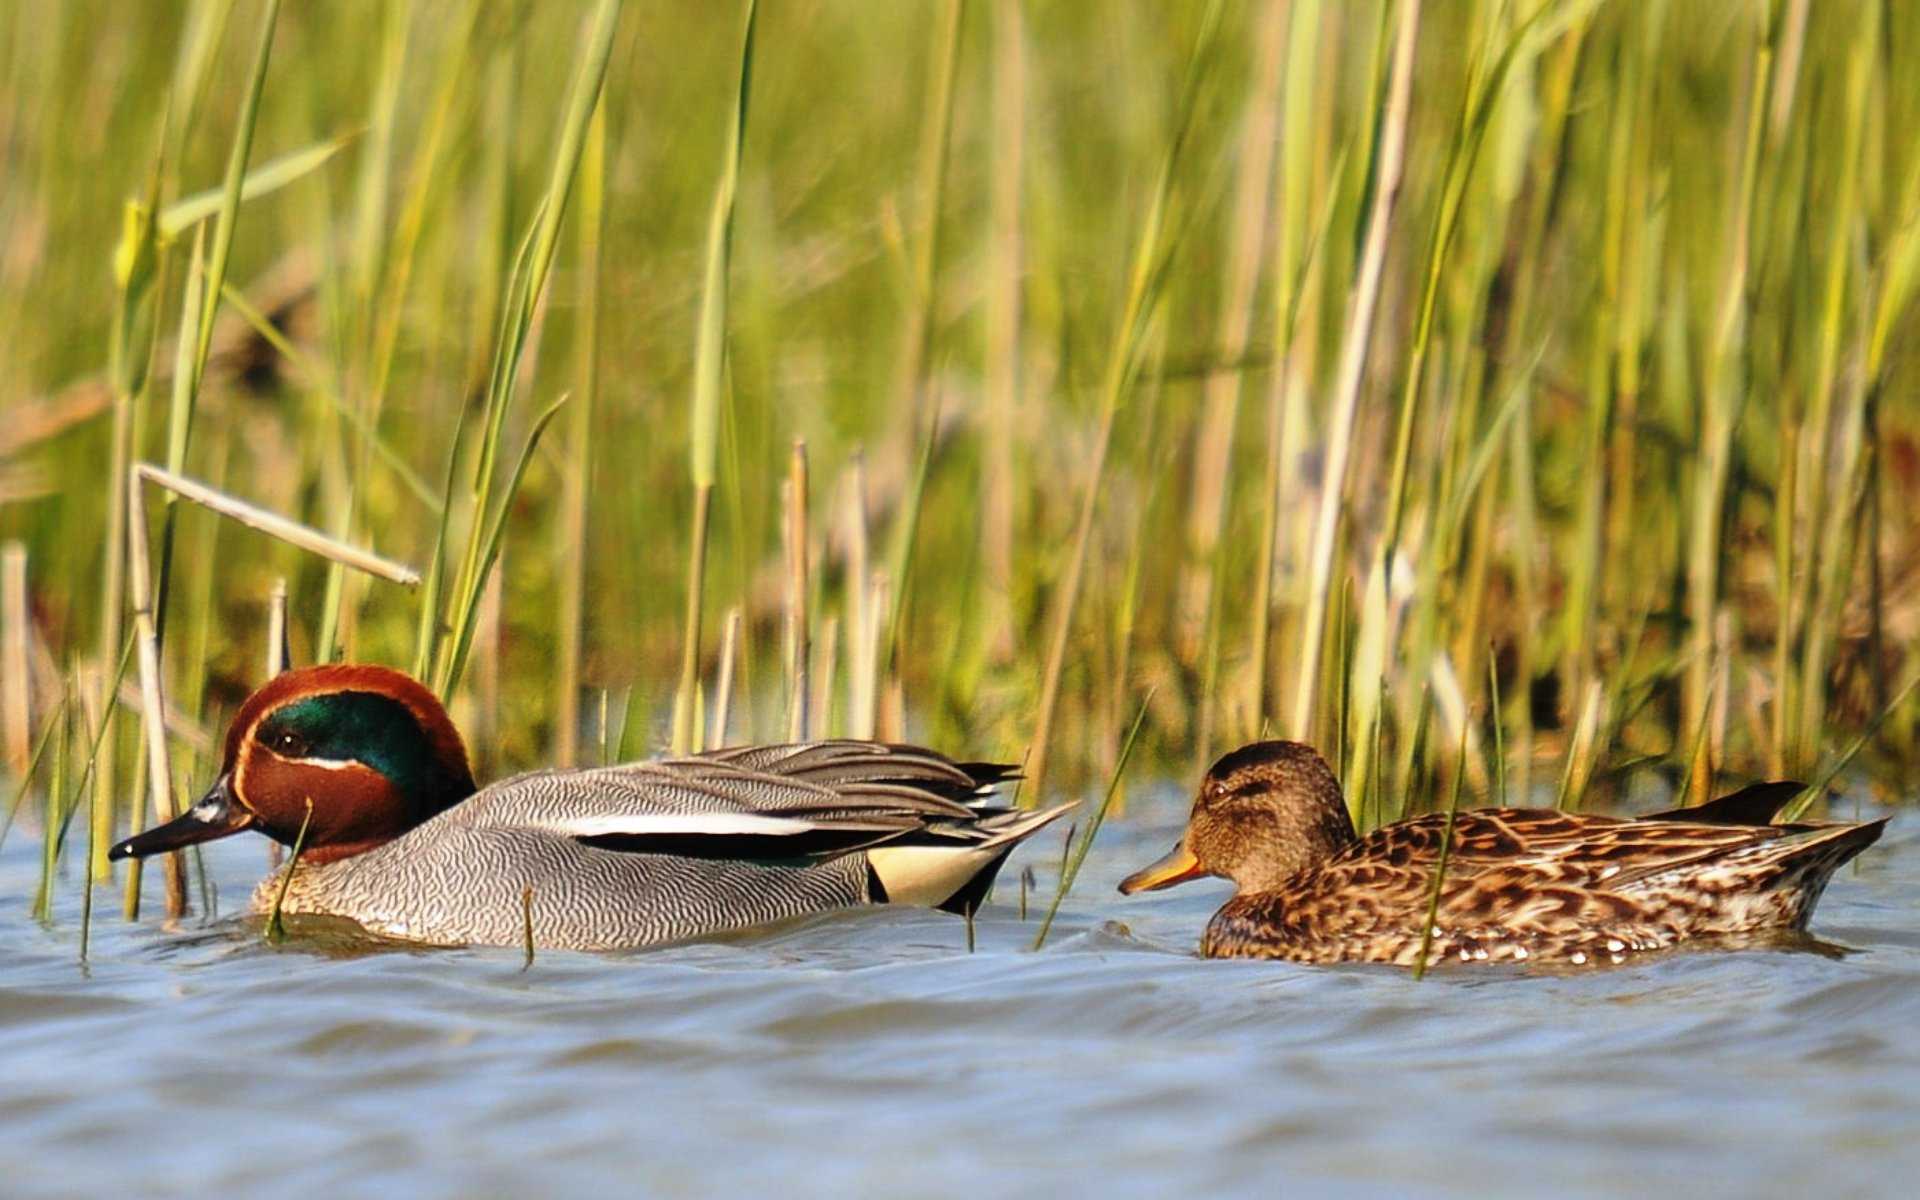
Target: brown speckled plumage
point(1519, 884)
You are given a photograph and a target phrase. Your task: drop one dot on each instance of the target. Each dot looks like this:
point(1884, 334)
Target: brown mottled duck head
point(1265, 812)
point(370, 747)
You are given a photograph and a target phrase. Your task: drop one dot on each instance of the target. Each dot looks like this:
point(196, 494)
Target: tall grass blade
point(1142, 298)
point(1070, 868)
point(709, 365)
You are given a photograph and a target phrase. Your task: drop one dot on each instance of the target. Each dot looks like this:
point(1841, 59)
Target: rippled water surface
point(870, 1052)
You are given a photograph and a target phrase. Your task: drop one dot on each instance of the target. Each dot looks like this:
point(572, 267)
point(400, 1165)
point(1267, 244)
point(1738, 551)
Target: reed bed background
point(1505, 391)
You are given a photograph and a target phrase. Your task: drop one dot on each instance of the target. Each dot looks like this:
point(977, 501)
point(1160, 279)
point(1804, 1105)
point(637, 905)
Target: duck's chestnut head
point(370, 748)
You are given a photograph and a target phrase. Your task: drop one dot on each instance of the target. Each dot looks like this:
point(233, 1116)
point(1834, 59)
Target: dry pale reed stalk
point(274, 525)
point(15, 712)
point(278, 656)
point(723, 678)
point(794, 494)
point(1388, 160)
point(825, 660)
point(1003, 361)
point(861, 621)
point(159, 764)
point(180, 727)
point(1220, 410)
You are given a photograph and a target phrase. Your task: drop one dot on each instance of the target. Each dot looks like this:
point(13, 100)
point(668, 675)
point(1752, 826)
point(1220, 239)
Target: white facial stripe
point(327, 764)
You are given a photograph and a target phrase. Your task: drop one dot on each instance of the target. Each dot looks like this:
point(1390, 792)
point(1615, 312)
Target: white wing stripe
point(707, 824)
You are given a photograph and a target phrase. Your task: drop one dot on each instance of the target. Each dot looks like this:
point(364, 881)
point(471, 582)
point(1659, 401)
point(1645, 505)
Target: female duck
point(399, 840)
point(1518, 884)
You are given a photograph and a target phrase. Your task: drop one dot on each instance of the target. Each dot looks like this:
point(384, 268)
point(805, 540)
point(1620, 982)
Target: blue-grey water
point(870, 1053)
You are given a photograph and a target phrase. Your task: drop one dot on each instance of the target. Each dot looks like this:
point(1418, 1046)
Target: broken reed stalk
point(141, 598)
point(274, 525)
point(1446, 851)
point(1388, 160)
point(794, 493)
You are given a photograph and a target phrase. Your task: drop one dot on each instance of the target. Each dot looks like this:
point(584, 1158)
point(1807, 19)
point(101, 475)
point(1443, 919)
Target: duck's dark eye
point(287, 743)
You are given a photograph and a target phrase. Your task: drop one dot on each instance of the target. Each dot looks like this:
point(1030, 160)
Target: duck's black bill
point(1177, 867)
point(215, 816)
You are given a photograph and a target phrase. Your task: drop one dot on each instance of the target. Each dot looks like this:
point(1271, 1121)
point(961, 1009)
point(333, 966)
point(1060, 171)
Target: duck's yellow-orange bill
point(1178, 866)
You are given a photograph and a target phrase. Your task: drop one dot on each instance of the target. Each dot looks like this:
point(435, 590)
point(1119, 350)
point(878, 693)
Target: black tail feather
point(1755, 805)
point(969, 898)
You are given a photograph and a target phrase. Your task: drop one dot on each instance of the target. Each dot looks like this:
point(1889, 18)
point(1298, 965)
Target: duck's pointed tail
point(1824, 849)
point(1795, 868)
point(954, 876)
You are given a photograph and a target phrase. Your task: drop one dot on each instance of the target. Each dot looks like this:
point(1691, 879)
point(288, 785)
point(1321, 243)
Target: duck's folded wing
point(847, 764)
point(1556, 849)
point(804, 802)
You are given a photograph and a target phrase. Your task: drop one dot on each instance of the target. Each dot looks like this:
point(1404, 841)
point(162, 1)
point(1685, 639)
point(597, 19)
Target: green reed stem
point(1142, 298)
point(1831, 771)
point(276, 932)
point(709, 365)
point(1070, 868)
point(1446, 852)
point(1499, 737)
point(51, 723)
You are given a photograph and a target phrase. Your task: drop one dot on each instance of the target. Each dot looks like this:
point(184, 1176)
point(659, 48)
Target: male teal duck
point(399, 840)
point(1519, 884)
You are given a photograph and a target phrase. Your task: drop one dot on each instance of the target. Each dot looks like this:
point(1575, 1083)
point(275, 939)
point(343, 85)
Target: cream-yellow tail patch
point(932, 875)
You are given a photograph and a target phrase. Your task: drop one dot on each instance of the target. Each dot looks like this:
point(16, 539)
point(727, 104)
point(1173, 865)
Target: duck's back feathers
point(657, 851)
point(1538, 883)
point(793, 803)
